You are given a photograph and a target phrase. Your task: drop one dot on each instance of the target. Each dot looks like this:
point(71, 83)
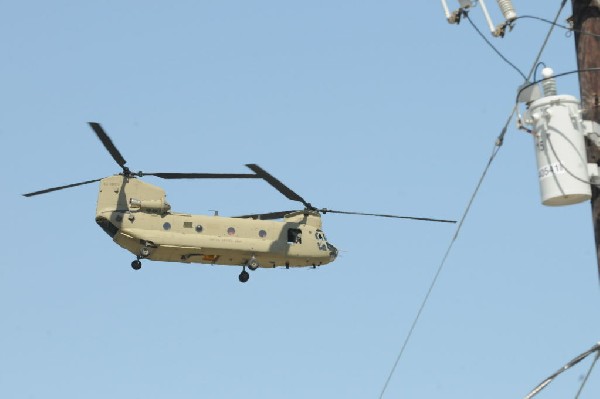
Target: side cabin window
point(321, 240)
point(294, 236)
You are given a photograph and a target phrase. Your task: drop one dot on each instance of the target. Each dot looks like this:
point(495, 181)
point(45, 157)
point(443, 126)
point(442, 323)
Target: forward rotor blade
point(202, 175)
point(267, 216)
point(108, 144)
point(282, 188)
point(49, 190)
point(325, 210)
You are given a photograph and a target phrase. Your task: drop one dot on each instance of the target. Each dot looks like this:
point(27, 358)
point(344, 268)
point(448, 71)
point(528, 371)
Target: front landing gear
point(244, 275)
point(136, 264)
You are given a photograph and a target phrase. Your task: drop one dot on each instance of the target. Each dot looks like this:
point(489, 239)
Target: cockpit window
point(294, 236)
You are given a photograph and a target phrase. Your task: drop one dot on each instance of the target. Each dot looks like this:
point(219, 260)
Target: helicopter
point(136, 215)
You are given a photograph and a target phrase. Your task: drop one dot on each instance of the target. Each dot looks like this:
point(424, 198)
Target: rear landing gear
point(136, 264)
point(253, 263)
point(144, 252)
point(244, 275)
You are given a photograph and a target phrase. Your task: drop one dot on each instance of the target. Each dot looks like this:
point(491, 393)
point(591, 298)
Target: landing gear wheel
point(244, 276)
point(136, 264)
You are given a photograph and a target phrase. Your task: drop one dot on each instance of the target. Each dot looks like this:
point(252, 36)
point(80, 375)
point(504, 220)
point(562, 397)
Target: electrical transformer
point(560, 149)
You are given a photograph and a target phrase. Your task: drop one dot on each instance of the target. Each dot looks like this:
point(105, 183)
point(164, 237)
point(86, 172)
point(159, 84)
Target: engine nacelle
point(156, 206)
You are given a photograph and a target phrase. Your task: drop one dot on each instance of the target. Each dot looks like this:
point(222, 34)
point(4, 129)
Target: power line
point(565, 27)
point(533, 68)
point(573, 362)
point(441, 266)
point(466, 14)
point(587, 375)
point(496, 149)
point(558, 75)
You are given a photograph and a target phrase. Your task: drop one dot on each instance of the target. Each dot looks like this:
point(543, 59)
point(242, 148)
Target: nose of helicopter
point(333, 252)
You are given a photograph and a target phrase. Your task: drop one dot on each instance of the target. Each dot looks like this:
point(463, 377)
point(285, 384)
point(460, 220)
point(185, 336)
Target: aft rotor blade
point(202, 175)
point(282, 188)
point(267, 216)
point(108, 144)
point(49, 190)
point(325, 210)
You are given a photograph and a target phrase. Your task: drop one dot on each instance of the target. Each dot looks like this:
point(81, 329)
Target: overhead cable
point(565, 27)
point(496, 149)
point(466, 15)
point(543, 384)
point(587, 376)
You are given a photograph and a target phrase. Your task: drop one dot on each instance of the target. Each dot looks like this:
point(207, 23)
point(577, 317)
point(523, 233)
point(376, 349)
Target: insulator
point(549, 83)
point(507, 9)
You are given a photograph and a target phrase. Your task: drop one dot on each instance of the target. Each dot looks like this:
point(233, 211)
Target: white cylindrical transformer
point(560, 150)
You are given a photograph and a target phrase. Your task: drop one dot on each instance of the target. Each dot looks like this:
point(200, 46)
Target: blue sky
point(373, 107)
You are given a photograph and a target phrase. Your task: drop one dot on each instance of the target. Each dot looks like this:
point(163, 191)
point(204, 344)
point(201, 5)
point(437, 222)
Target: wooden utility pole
point(586, 23)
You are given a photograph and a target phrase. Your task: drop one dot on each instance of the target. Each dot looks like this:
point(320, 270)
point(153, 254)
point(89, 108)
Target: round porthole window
point(262, 234)
point(167, 226)
point(198, 228)
point(231, 231)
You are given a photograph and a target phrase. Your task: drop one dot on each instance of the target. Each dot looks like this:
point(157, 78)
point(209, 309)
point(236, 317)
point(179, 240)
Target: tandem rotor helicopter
point(136, 215)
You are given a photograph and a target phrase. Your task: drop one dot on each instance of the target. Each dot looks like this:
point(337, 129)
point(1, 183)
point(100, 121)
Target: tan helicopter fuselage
point(138, 218)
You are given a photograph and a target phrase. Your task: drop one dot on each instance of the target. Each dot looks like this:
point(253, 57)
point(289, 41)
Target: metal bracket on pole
point(454, 16)
point(528, 92)
point(593, 173)
point(591, 130)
